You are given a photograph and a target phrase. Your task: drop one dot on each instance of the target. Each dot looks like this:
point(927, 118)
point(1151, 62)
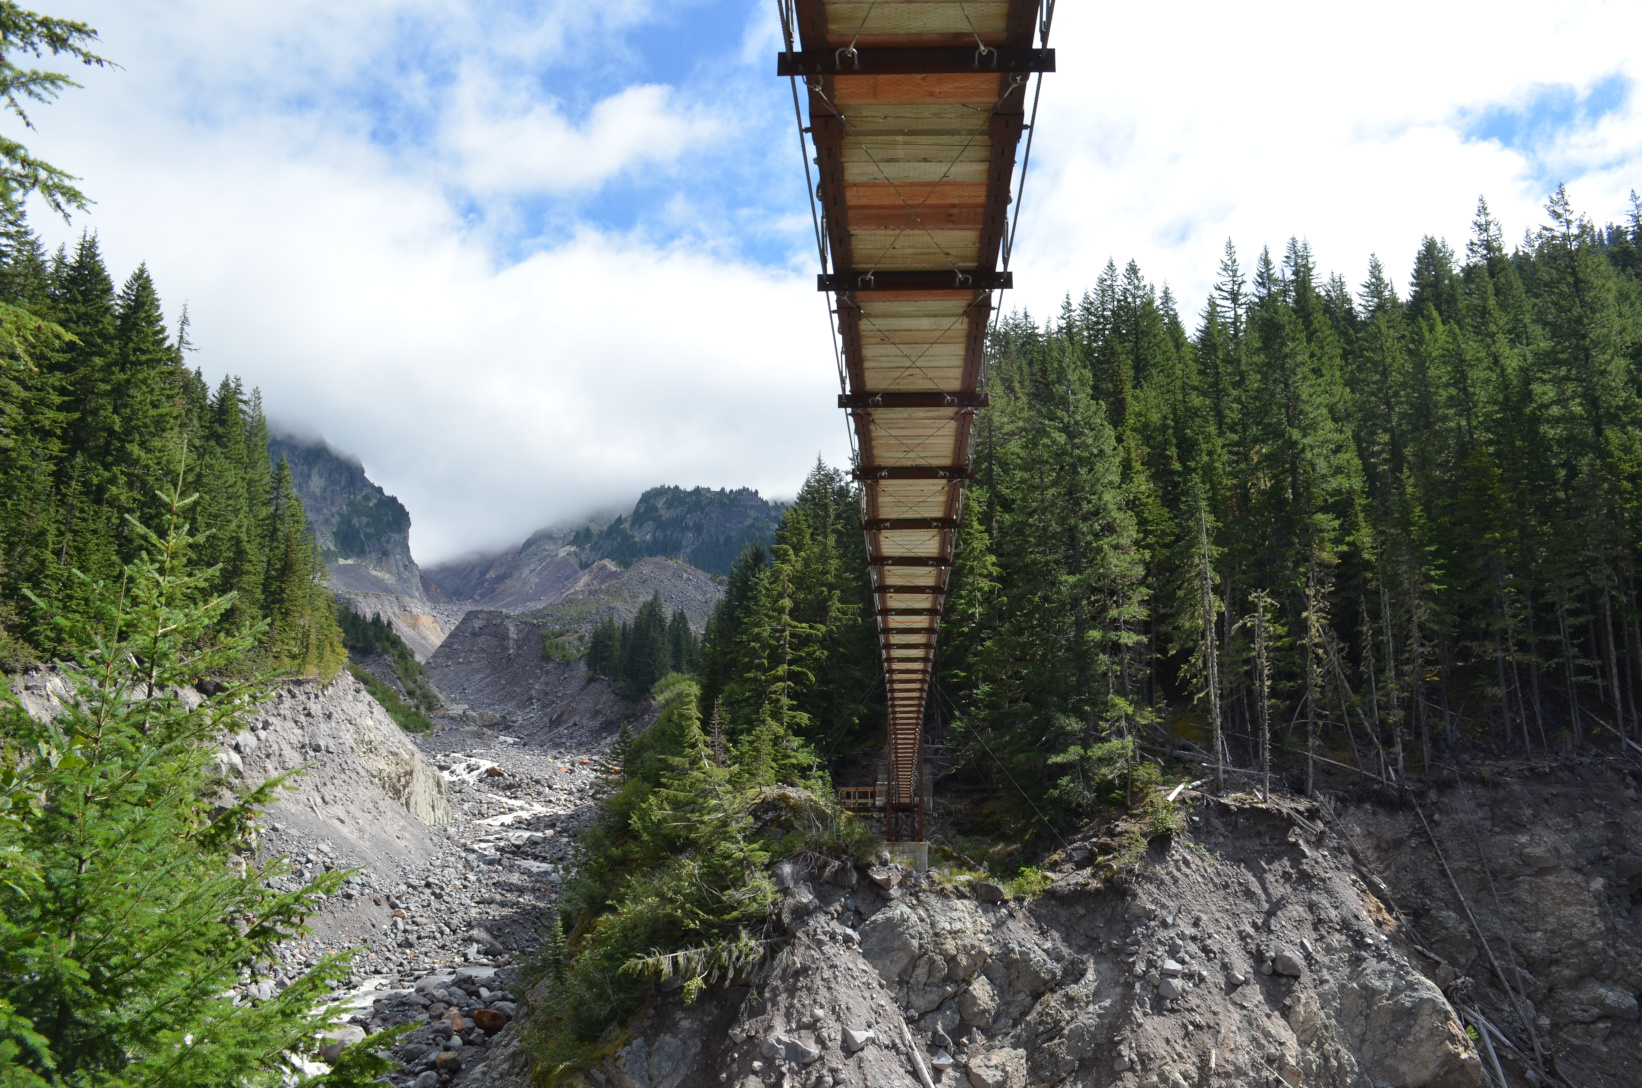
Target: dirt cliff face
point(1521, 883)
point(353, 756)
point(493, 664)
point(1248, 951)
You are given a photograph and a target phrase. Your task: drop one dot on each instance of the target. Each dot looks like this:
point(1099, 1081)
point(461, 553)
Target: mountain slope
point(363, 532)
point(702, 527)
point(364, 535)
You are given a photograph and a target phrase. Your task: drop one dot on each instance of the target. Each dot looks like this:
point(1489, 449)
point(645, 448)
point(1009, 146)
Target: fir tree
point(129, 912)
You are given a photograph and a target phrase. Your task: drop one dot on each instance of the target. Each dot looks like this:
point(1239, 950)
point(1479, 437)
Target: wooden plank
point(980, 90)
point(944, 330)
point(918, 17)
point(912, 379)
point(864, 195)
point(936, 119)
point(913, 173)
point(914, 250)
point(896, 148)
point(918, 216)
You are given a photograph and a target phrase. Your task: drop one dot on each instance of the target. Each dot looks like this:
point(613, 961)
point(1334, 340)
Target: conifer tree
point(128, 912)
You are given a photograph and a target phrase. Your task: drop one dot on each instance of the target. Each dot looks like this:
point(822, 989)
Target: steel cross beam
point(924, 60)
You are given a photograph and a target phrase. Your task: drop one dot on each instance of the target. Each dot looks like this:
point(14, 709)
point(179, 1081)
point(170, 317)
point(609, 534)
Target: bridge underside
point(916, 109)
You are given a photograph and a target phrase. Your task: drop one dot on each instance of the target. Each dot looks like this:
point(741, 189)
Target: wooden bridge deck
point(915, 114)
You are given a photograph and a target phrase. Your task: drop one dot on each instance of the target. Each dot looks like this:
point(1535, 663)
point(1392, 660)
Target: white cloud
point(492, 398)
point(1171, 127)
point(329, 187)
point(538, 149)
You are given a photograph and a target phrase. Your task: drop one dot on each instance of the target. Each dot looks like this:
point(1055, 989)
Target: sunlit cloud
point(528, 258)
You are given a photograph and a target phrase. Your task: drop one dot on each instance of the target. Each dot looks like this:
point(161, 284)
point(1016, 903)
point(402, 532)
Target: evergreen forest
point(634, 656)
point(100, 413)
point(1316, 527)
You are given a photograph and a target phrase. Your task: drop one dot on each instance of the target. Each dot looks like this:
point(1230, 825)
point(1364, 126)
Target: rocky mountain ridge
point(364, 535)
point(705, 528)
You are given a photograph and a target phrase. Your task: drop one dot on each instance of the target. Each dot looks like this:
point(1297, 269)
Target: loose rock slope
point(1247, 951)
point(1289, 943)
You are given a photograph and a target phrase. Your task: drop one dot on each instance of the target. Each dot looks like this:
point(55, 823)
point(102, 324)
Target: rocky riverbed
point(459, 840)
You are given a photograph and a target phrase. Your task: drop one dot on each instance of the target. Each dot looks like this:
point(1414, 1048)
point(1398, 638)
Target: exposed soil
point(492, 666)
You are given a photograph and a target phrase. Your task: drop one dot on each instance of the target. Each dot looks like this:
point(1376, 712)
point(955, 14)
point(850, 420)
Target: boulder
point(891, 941)
point(988, 891)
point(885, 876)
point(1020, 964)
point(630, 1067)
point(927, 987)
point(1002, 1068)
point(491, 1020)
point(1404, 1032)
point(448, 1061)
point(669, 1061)
point(979, 1003)
point(1284, 961)
point(855, 1039)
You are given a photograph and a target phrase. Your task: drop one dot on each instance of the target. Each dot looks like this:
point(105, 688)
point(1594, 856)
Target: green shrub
point(557, 647)
point(407, 717)
point(1028, 882)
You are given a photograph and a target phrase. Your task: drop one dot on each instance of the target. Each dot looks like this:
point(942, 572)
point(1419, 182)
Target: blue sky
point(526, 259)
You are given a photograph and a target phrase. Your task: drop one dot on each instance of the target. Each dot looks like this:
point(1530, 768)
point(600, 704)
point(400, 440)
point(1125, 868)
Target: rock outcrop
point(1167, 979)
point(704, 528)
point(364, 534)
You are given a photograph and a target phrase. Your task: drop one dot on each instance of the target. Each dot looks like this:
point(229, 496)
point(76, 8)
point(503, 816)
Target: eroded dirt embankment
point(1517, 886)
point(1247, 949)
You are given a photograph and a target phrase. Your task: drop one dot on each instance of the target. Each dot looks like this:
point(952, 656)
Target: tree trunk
point(1613, 659)
point(1210, 660)
point(1533, 671)
point(1391, 682)
point(1262, 688)
point(1572, 678)
point(1373, 685)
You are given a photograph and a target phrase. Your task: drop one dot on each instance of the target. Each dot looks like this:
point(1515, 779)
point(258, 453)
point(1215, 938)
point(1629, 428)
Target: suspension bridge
point(911, 115)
